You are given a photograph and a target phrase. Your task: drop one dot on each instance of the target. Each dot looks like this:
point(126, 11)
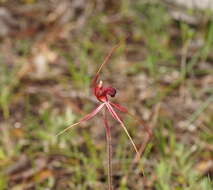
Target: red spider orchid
point(102, 93)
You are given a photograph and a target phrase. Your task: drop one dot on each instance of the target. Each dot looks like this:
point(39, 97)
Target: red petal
point(85, 118)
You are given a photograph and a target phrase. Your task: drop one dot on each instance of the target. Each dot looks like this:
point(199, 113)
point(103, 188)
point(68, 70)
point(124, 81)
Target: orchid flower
point(103, 93)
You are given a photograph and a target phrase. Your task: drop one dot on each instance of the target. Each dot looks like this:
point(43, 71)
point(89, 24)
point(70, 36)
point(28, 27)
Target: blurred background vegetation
point(49, 51)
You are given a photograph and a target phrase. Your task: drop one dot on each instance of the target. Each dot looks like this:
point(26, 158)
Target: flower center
point(102, 92)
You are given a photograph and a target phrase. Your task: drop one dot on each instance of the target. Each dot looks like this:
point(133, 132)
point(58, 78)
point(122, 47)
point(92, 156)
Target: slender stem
point(109, 151)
